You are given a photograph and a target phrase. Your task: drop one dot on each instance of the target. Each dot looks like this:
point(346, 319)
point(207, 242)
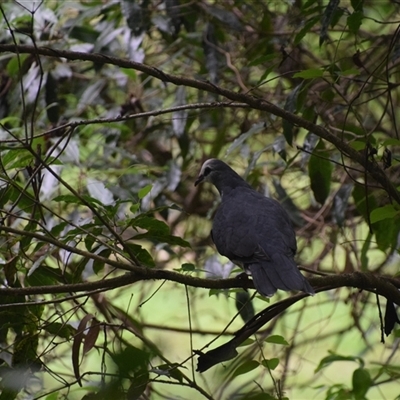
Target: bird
point(253, 231)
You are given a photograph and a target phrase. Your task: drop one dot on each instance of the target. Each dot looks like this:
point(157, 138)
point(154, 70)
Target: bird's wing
point(233, 230)
point(256, 232)
point(244, 227)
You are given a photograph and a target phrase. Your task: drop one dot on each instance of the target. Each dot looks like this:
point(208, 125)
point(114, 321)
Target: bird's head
point(209, 170)
point(221, 175)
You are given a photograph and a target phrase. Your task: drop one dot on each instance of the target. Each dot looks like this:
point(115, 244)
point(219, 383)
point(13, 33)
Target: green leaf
point(350, 71)
point(144, 191)
point(99, 265)
point(364, 252)
point(130, 73)
point(358, 145)
point(354, 21)
point(134, 208)
point(391, 142)
point(277, 339)
point(84, 33)
point(62, 330)
point(151, 224)
point(306, 28)
point(16, 158)
point(246, 367)
point(386, 232)
point(328, 360)
point(24, 199)
point(57, 229)
point(91, 239)
point(309, 73)
point(320, 172)
point(13, 66)
point(157, 231)
point(52, 396)
point(25, 352)
point(247, 342)
point(262, 59)
point(361, 383)
point(131, 359)
point(216, 292)
point(26, 239)
point(188, 267)
point(141, 254)
point(271, 363)
point(381, 213)
point(43, 276)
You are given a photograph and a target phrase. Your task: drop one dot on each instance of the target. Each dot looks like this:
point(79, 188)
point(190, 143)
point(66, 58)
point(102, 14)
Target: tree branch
point(384, 286)
point(228, 351)
point(260, 104)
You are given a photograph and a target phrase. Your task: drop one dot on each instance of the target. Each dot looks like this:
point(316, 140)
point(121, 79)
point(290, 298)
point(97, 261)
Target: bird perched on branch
point(253, 231)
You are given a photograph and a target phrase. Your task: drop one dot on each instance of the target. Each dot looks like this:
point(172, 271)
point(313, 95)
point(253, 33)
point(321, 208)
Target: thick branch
point(387, 287)
point(228, 350)
point(375, 171)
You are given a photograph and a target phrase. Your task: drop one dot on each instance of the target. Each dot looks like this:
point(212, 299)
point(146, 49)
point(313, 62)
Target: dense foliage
point(110, 285)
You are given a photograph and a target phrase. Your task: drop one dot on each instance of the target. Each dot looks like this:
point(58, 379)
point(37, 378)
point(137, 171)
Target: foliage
point(108, 109)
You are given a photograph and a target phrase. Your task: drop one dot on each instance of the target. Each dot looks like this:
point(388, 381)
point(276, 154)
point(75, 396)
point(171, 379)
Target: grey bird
point(253, 231)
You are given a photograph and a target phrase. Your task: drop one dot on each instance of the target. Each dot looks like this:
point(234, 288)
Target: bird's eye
point(207, 170)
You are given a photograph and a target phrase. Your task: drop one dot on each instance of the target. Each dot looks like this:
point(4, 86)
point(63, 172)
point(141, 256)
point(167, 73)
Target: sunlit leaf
point(271, 363)
point(328, 360)
point(188, 267)
point(309, 73)
point(385, 212)
point(144, 191)
point(246, 367)
point(276, 339)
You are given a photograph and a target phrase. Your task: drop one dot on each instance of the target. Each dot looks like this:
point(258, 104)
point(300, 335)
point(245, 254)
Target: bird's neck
point(225, 187)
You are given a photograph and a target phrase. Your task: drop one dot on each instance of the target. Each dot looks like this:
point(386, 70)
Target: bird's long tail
point(280, 272)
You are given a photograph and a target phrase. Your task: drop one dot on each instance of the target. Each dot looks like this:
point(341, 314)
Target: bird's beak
point(199, 179)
